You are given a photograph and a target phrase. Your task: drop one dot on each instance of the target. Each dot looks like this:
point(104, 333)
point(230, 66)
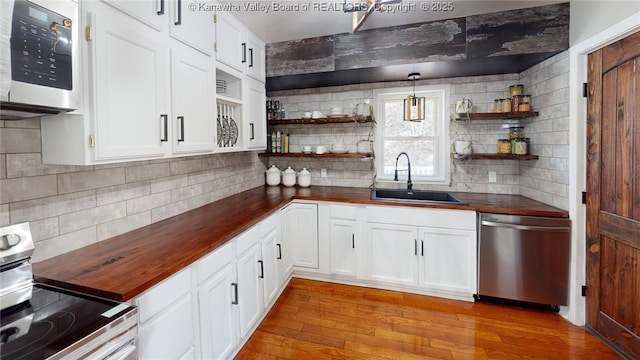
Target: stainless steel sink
point(423, 196)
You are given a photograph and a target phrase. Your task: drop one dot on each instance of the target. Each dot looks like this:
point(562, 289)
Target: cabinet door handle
point(261, 269)
point(353, 241)
point(244, 53)
point(161, 11)
point(422, 249)
point(235, 294)
point(181, 120)
point(279, 251)
point(250, 57)
point(165, 120)
point(252, 132)
point(179, 13)
point(415, 247)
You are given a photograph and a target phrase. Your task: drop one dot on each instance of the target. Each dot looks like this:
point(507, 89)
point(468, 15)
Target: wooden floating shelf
point(326, 120)
point(480, 156)
point(320, 156)
point(497, 115)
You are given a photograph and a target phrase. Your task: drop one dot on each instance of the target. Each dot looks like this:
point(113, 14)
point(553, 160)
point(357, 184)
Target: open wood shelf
point(348, 155)
point(325, 120)
point(487, 156)
point(497, 115)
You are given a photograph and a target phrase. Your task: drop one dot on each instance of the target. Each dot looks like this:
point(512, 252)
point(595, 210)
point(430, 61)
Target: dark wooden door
point(613, 194)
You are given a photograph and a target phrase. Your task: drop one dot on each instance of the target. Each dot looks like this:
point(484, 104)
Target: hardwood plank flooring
point(320, 320)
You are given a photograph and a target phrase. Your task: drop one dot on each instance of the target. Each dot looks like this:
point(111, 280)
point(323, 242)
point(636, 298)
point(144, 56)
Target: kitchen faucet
point(395, 177)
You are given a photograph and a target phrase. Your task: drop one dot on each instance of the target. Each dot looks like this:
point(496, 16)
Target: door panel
point(613, 188)
point(129, 85)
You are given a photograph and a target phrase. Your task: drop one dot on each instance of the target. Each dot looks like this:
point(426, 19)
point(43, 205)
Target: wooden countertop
point(124, 266)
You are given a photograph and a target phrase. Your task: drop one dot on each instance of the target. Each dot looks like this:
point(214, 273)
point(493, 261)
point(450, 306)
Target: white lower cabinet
point(209, 309)
point(300, 232)
point(342, 237)
point(237, 284)
point(219, 324)
point(433, 251)
point(448, 261)
point(273, 276)
point(392, 254)
point(167, 319)
point(250, 300)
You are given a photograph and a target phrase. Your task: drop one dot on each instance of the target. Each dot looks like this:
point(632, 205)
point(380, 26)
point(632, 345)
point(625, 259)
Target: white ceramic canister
point(289, 177)
point(273, 176)
point(304, 178)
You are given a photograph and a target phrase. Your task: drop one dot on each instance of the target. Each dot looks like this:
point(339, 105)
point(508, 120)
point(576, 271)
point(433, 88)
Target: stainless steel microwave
point(39, 60)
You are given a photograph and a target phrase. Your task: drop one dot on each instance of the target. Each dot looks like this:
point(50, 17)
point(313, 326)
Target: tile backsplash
point(545, 179)
point(69, 207)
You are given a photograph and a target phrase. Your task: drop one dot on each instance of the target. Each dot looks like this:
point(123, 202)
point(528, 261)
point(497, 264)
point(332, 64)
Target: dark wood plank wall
point(415, 43)
point(463, 41)
point(526, 31)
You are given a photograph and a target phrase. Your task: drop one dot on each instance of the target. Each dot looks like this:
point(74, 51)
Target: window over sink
point(426, 142)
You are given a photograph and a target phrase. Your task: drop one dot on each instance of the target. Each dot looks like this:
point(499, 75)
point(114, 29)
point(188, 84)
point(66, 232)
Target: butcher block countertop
point(124, 266)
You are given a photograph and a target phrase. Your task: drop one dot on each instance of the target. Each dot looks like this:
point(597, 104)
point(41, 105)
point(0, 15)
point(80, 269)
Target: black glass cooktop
point(52, 321)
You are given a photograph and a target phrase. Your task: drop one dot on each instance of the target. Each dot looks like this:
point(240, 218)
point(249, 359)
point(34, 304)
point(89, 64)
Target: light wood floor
point(319, 320)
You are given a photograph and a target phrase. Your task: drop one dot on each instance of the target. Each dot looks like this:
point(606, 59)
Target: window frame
point(442, 162)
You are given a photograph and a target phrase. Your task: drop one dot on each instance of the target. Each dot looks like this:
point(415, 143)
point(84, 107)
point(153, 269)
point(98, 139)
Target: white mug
point(307, 114)
point(306, 148)
point(321, 149)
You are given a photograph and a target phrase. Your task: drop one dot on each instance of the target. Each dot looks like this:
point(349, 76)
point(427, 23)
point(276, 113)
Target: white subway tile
point(51, 247)
point(26, 188)
point(86, 180)
point(122, 225)
point(90, 217)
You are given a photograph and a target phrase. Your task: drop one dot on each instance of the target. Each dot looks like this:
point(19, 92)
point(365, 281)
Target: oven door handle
point(525, 227)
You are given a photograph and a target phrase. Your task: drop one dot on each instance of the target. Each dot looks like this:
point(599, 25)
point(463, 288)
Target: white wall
point(588, 17)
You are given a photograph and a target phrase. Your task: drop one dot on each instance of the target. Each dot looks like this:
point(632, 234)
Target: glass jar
point(504, 146)
point(506, 105)
point(497, 105)
point(516, 100)
point(516, 133)
point(525, 105)
point(520, 147)
point(515, 90)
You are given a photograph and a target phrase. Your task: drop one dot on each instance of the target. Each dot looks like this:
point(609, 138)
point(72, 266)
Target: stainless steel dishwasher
point(524, 258)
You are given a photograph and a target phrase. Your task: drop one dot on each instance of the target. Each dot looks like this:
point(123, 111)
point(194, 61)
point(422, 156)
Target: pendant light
point(414, 105)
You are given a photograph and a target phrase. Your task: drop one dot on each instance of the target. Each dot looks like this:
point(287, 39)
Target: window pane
point(395, 126)
point(421, 153)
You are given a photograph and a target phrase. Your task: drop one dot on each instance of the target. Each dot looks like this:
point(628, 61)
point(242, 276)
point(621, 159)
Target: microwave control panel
point(41, 46)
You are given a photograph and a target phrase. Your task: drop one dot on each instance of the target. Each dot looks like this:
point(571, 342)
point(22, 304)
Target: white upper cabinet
point(192, 23)
point(230, 43)
point(255, 57)
point(238, 48)
point(128, 92)
point(193, 112)
point(255, 125)
point(189, 22)
point(152, 13)
point(147, 95)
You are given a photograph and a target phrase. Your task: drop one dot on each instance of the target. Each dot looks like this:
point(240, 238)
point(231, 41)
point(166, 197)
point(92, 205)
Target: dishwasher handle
point(526, 227)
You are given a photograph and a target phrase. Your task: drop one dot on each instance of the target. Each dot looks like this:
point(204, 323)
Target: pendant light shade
point(414, 105)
